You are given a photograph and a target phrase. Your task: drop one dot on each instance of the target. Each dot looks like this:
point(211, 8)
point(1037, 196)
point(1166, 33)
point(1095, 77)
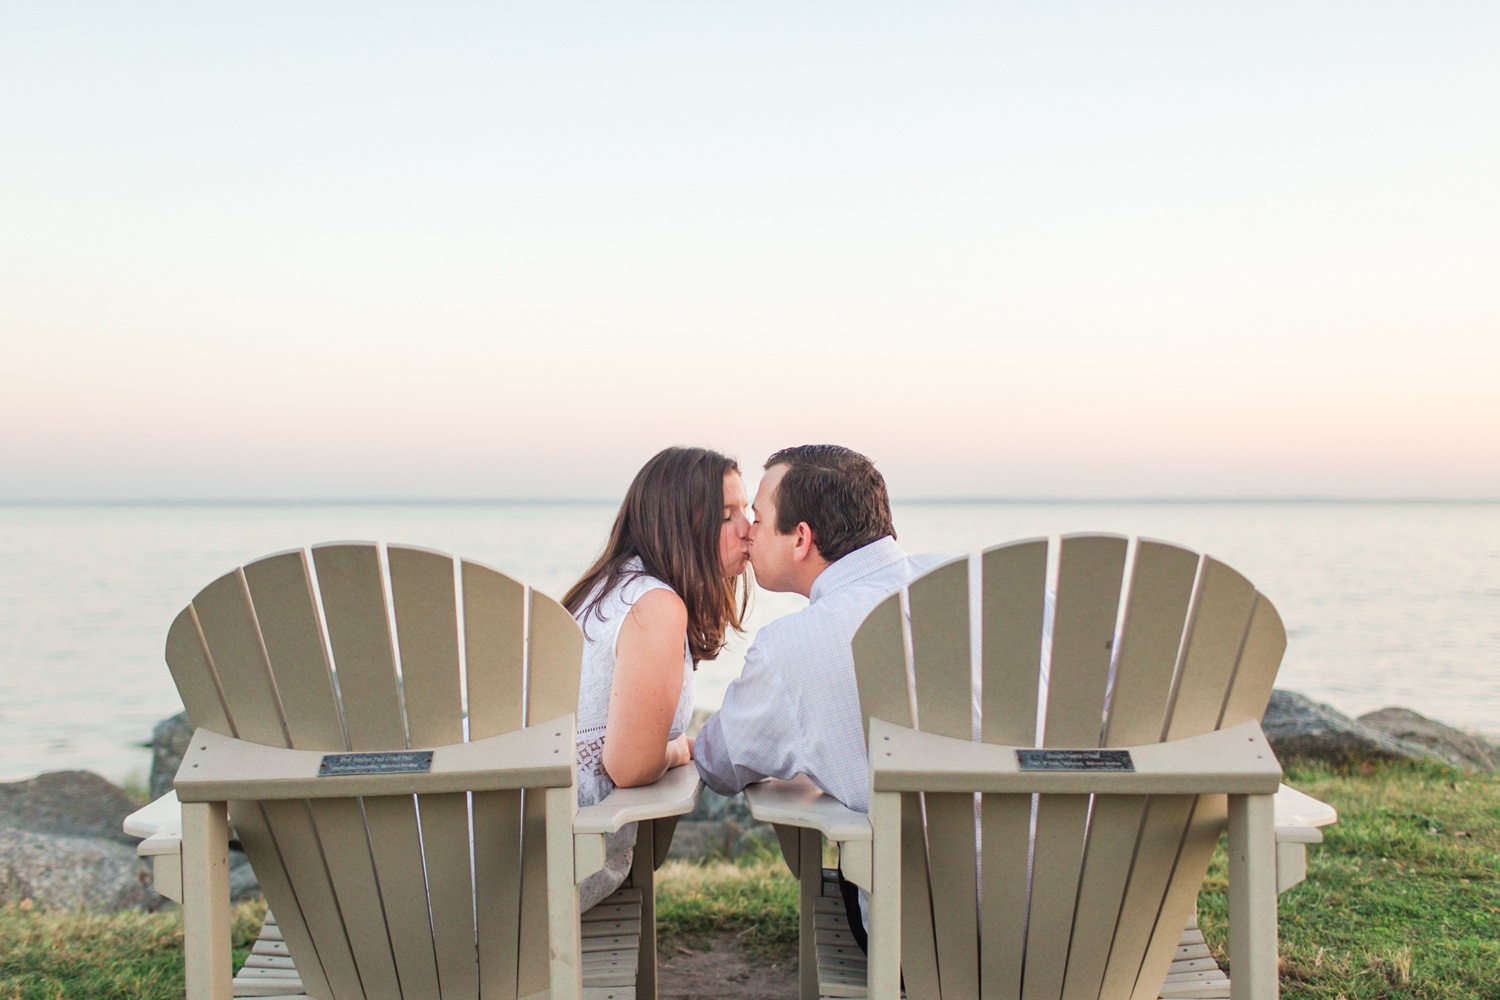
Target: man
point(823, 530)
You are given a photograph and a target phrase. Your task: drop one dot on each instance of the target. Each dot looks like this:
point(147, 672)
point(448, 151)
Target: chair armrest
point(800, 803)
point(673, 794)
point(1233, 761)
point(220, 768)
point(162, 817)
point(1299, 816)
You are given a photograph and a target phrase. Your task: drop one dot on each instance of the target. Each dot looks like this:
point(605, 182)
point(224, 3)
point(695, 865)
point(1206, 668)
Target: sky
point(505, 250)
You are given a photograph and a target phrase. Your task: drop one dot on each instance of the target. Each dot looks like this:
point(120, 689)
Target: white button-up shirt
point(794, 709)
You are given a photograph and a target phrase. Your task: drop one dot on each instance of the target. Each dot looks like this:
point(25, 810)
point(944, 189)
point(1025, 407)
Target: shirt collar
point(861, 562)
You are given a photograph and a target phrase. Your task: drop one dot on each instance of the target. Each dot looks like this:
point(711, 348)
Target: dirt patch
point(718, 967)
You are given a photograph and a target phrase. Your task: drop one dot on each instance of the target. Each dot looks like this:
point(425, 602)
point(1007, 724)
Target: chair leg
point(205, 900)
point(1252, 897)
point(564, 938)
point(810, 875)
point(643, 877)
point(884, 968)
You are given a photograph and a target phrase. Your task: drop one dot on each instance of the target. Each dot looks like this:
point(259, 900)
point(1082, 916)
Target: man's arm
point(752, 736)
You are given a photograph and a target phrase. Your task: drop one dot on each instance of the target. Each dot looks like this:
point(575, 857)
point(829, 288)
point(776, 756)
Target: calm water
point(1386, 604)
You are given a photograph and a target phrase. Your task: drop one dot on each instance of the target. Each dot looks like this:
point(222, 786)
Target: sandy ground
point(716, 968)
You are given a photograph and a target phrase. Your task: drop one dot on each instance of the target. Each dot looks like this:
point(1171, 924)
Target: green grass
point(1402, 899)
point(120, 956)
point(1402, 902)
point(754, 897)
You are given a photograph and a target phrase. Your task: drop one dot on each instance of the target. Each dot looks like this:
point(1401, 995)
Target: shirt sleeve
point(752, 735)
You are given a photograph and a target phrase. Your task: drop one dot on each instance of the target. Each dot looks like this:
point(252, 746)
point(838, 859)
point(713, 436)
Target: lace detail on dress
point(601, 631)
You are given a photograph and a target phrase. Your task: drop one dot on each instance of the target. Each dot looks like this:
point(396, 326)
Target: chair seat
point(611, 954)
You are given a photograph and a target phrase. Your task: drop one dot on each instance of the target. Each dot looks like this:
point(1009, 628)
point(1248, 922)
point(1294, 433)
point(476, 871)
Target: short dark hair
point(838, 492)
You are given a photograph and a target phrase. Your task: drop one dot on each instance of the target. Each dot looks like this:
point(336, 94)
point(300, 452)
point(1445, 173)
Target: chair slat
point(1179, 902)
point(1090, 571)
point(193, 673)
point(1156, 856)
point(323, 954)
point(942, 672)
point(1255, 676)
point(556, 658)
point(497, 878)
point(532, 973)
point(880, 665)
point(1007, 831)
point(345, 844)
point(281, 592)
point(1113, 825)
point(941, 666)
point(494, 650)
point(1161, 589)
point(919, 962)
point(1220, 618)
point(233, 641)
point(955, 907)
point(394, 846)
point(1058, 855)
point(350, 582)
point(445, 846)
point(426, 612)
point(1015, 581)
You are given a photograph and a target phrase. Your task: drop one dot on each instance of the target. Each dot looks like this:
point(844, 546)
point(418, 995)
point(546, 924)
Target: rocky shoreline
point(62, 847)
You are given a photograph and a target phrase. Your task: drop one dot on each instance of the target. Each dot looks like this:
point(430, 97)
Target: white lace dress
point(601, 631)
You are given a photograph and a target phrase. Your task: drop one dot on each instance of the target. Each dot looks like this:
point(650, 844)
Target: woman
point(657, 601)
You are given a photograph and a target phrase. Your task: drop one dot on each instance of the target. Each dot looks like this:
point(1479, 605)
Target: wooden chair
point(400, 854)
point(1074, 870)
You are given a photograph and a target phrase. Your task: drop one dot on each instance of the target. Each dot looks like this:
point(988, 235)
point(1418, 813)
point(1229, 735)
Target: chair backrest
point(1062, 895)
point(364, 648)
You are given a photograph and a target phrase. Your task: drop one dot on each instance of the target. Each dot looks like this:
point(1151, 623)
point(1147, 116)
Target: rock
point(169, 741)
point(720, 826)
point(1453, 745)
point(62, 846)
point(1300, 728)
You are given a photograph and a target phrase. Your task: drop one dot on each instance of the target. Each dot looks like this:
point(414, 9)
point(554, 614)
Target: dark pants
point(850, 892)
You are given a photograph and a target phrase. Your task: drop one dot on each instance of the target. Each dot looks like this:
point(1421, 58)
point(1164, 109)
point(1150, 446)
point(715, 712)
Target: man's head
point(816, 504)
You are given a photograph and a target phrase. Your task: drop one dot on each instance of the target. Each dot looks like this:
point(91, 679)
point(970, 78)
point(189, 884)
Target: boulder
point(62, 846)
point(1453, 745)
point(720, 826)
point(169, 741)
point(1300, 728)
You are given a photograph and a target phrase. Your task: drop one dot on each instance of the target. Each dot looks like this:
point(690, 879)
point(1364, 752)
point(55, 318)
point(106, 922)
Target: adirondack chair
point(400, 854)
point(1076, 869)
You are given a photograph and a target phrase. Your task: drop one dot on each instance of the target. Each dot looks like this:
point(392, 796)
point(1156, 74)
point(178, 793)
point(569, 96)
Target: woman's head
point(684, 518)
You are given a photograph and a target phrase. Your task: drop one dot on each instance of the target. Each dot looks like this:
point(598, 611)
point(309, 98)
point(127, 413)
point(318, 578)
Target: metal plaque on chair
point(1074, 760)
point(390, 762)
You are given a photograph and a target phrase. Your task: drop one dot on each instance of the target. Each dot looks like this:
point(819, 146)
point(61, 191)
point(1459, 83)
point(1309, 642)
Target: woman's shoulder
point(637, 582)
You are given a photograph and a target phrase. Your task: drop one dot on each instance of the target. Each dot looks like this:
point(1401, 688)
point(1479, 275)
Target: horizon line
point(602, 501)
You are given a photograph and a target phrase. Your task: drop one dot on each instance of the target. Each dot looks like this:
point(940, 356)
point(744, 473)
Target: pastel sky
point(510, 250)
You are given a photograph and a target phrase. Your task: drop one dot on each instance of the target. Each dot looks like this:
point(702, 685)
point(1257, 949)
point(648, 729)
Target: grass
point(121, 956)
point(1402, 902)
point(1402, 899)
point(753, 897)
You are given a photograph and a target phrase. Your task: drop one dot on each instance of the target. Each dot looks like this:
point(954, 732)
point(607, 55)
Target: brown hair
point(838, 492)
point(670, 520)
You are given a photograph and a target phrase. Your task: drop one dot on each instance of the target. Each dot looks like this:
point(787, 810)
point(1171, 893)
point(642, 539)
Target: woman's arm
point(646, 689)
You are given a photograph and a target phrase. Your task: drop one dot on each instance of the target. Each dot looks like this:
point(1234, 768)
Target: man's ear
point(803, 544)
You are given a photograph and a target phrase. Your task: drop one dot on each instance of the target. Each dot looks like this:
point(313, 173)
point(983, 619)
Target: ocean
point(1385, 603)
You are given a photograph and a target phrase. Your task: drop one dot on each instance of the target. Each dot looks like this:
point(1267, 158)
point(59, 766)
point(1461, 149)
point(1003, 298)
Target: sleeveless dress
point(601, 631)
